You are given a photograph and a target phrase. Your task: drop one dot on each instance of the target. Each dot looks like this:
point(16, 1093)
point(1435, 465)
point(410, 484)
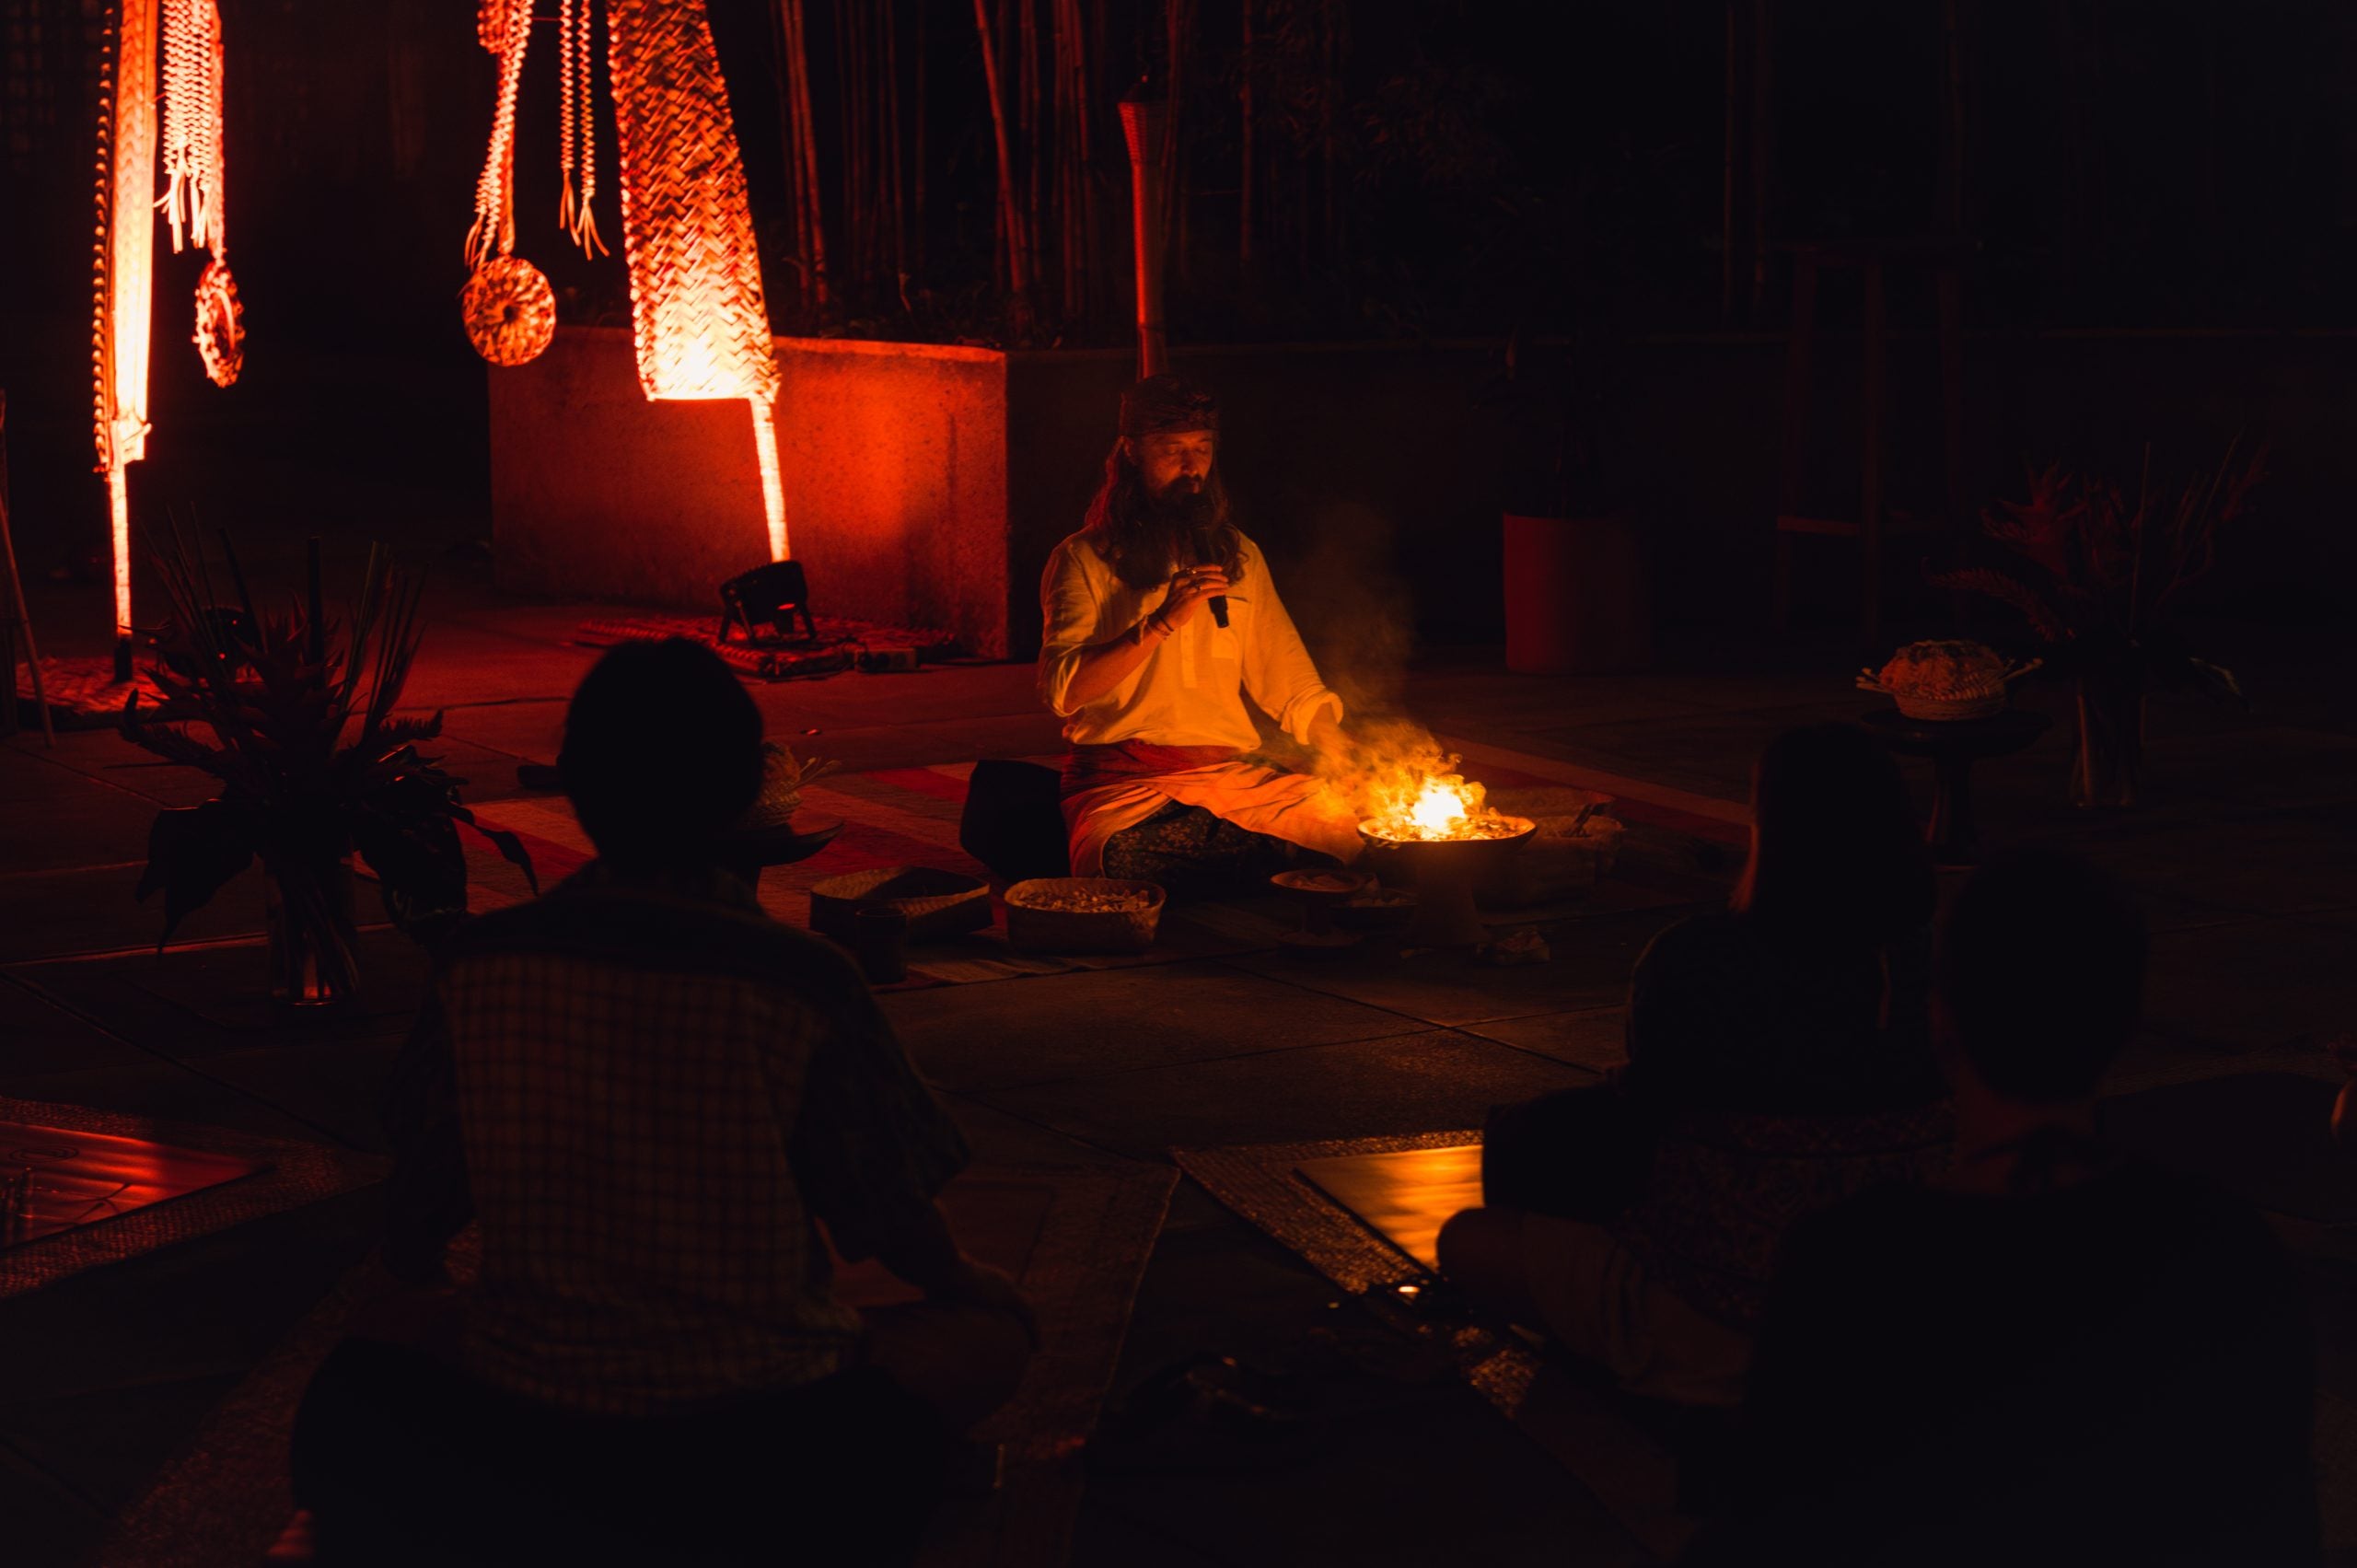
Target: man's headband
point(1160, 404)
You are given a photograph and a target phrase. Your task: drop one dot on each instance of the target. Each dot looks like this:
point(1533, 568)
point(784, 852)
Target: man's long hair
point(1142, 541)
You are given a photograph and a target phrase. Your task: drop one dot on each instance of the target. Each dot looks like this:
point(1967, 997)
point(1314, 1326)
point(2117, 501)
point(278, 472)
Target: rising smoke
point(1357, 613)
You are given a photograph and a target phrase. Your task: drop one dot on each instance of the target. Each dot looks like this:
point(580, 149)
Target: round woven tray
point(1035, 929)
point(938, 903)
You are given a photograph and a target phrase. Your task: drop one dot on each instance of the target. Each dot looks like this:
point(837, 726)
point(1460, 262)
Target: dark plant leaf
point(510, 847)
point(398, 732)
point(192, 852)
point(419, 858)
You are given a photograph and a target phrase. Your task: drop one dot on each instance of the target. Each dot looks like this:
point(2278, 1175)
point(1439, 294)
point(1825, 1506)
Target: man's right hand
point(1188, 588)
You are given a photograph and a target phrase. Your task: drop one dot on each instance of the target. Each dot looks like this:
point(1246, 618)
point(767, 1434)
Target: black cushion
point(1015, 823)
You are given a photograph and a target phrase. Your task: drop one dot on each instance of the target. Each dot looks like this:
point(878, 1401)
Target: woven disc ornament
point(510, 310)
point(220, 324)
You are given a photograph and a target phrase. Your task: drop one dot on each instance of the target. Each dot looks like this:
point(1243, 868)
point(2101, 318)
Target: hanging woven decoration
point(695, 272)
point(220, 324)
point(195, 190)
point(695, 275)
point(500, 305)
point(510, 310)
point(507, 305)
point(577, 127)
point(700, 320)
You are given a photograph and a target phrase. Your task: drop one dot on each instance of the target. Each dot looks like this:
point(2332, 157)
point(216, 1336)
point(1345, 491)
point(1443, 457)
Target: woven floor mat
point(1076, 1236)
point(290, 1174)
point(1629, 1471)
point(894, 818)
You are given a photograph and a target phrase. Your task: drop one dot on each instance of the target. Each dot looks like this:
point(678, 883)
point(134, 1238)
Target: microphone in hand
point(1219, 607)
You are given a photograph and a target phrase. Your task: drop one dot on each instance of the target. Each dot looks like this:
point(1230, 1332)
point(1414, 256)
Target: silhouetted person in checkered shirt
point(661, 1096)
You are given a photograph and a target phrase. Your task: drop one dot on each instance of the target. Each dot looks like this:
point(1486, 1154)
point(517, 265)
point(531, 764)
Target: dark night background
point(2162, 199)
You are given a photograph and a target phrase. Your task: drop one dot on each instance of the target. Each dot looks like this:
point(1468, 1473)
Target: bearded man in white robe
point(1164, 631)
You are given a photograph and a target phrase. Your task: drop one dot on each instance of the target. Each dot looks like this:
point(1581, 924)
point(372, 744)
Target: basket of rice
point(1083, 914)
point(938, 903)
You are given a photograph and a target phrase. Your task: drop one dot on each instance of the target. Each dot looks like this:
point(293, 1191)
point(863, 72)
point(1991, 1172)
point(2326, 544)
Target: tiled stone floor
point(2245, 853)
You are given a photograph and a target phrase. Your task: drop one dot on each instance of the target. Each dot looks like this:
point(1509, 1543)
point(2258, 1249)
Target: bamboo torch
point(1144, 124)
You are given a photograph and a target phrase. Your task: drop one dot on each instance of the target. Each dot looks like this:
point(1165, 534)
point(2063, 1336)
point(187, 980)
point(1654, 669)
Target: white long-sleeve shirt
point(1192, 687)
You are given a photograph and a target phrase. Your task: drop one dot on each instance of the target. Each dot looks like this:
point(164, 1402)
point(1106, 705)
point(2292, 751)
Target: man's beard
point(1178, 523)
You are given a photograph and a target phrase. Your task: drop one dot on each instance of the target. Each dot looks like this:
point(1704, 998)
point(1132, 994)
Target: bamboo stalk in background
point(1329, 144)
point(851, 123)
point(1763, 61)
point(1179, 16)
point(1244, 183)
point(847, 118)
point(807, 143)
point(916, 166)
point(781, 50)
point(1028, 78)
point(892, 157)
point(1073, 202)
point(1726, 180)
point(787, 150)
point(1018, 268)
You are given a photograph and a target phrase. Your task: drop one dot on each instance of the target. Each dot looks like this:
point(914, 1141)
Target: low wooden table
point(1952, 746)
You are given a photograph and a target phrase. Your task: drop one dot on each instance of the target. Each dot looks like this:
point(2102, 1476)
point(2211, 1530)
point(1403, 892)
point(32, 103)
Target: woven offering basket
point(1033, 926)
point(1979, 705)
point(938, 903)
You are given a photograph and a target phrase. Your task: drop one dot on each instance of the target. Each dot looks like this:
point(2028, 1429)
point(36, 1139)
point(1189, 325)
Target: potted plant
point(2104, 577)
point(314, 768)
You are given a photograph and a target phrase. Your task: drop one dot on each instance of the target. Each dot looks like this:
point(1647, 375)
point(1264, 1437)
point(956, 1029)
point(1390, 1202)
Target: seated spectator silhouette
point(1779, 1059)
point(2055, 1353)
point(659, 1095)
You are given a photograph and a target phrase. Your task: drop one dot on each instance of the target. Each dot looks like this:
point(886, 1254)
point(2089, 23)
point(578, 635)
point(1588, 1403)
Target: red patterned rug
point(838, 646)
point(84, 694)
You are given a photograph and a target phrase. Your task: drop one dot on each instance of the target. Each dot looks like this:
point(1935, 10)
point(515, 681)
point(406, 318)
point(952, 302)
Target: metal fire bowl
point(1445, 872)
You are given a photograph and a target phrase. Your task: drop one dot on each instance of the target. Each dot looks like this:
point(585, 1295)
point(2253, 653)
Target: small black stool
point(1954, 745)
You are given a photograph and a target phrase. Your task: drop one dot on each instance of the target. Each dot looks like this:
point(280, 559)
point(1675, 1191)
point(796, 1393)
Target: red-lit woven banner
point(695, 275)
